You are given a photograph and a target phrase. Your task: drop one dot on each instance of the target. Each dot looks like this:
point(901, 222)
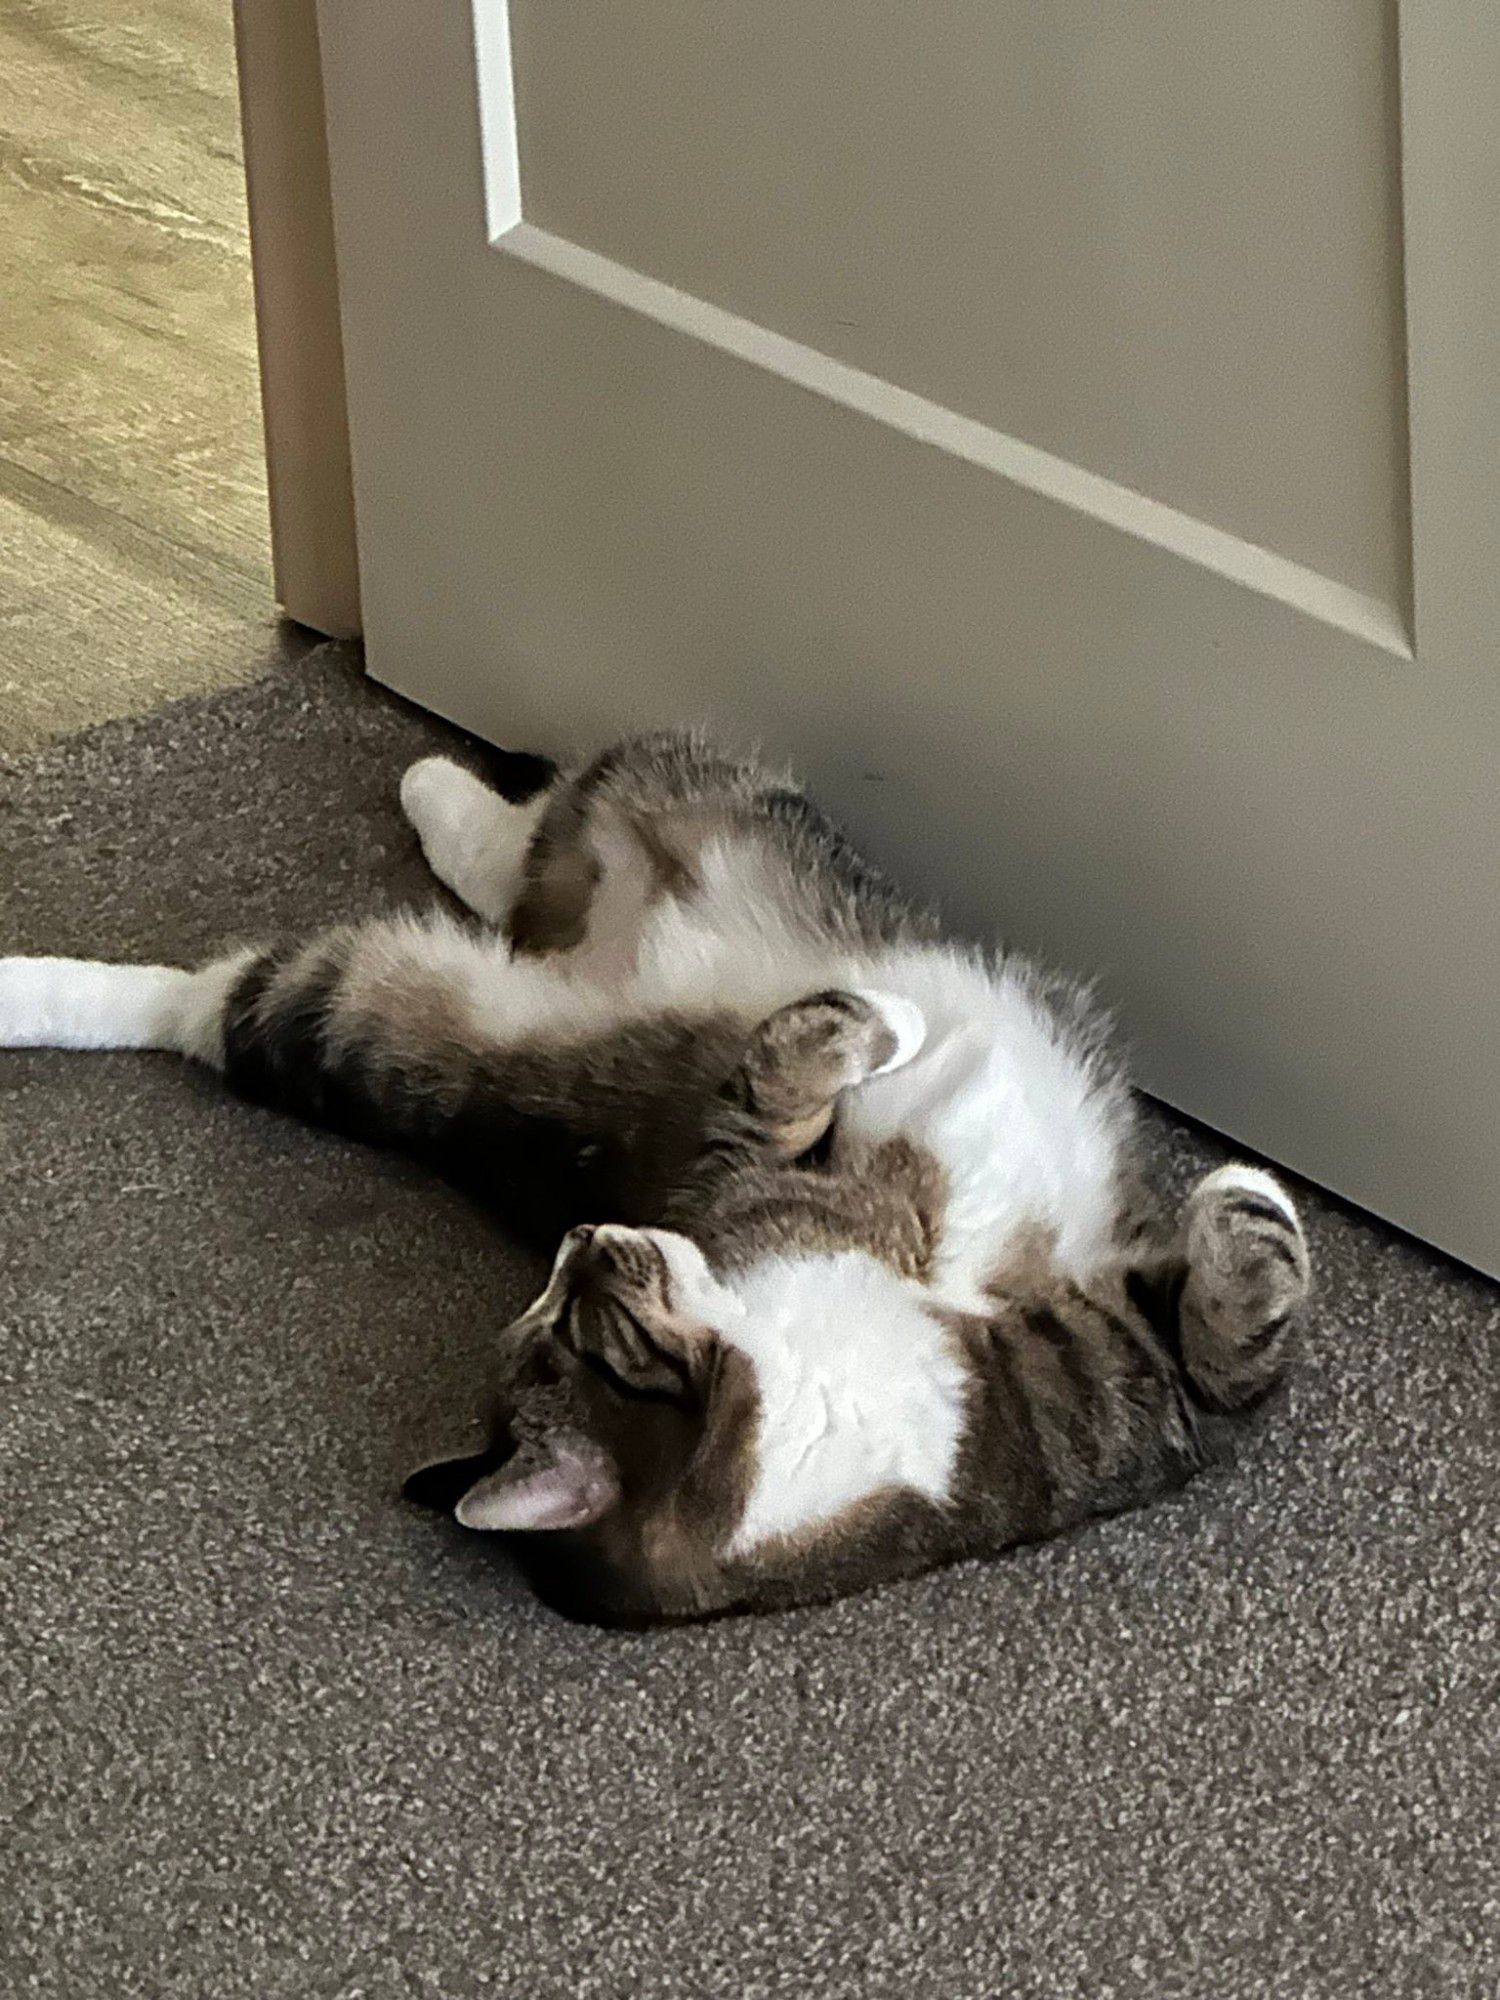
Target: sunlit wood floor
point(133, 539)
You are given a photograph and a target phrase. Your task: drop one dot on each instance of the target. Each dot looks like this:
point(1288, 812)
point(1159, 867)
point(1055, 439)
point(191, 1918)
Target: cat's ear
point(564, 1481)
point(440, 1483)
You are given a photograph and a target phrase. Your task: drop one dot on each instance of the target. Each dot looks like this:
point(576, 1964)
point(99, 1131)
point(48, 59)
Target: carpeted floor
point(270, 1733)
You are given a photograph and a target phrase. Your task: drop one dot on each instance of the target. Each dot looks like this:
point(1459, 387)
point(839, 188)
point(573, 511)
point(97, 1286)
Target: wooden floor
point(133, 541)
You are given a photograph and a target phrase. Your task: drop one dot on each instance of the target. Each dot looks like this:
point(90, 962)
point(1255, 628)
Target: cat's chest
point(842, 1417)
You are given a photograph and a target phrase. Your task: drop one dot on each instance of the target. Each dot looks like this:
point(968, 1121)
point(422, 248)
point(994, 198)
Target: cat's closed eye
point(617, 1347)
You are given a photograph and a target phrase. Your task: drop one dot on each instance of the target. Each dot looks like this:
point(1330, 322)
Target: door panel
point(1153, 239)
point(1086, 601)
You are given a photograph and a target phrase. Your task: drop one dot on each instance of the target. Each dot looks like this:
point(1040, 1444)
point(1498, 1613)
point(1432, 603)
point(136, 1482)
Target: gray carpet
point(270, 1733)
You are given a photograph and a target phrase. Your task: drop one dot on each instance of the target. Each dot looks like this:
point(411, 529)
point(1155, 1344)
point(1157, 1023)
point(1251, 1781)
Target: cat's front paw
point(906, 1027)
point(811, 1049)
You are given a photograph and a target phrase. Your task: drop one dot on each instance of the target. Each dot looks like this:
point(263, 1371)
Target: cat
point(853, 1275)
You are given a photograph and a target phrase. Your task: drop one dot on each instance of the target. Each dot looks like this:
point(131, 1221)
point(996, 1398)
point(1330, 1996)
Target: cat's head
point(668, 1443)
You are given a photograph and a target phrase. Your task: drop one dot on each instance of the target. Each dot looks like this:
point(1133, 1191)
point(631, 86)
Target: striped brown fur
point(970, 1333)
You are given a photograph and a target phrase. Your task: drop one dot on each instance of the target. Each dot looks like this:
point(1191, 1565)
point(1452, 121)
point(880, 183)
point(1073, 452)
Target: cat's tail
point(81, 1003)
point(1246, 1277)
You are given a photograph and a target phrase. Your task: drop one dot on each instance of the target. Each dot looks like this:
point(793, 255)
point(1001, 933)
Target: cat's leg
point(804, 1056)
point(354, 1028)
point(663, 842)
point(653, 822)
point(1093, 1391)
point(474, 840)
point(1248, 1277)
point(591, 875)
point(540, 1094)
point(1229, 1295)
point(568, 871)
point(664, 821)
point(779, 1100)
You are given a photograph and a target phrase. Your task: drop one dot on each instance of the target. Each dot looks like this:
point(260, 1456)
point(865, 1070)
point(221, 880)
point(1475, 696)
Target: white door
point(1070, 431)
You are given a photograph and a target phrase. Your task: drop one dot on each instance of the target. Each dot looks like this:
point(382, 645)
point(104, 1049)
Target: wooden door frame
point(313, 544)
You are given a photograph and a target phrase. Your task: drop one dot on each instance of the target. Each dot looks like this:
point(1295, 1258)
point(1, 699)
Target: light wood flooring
point(134, 557)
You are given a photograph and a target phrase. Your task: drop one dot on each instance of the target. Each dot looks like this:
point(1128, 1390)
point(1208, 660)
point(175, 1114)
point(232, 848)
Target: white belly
point(1014, 1115)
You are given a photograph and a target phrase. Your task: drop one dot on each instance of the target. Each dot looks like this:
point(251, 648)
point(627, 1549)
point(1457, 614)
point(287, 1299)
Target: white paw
point(905, 1020)
point(437, 795)
point(474, 840)
point(22, 992)
point(78, 1003)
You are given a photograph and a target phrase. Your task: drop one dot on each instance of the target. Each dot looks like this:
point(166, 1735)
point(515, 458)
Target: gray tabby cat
point(851, 1278)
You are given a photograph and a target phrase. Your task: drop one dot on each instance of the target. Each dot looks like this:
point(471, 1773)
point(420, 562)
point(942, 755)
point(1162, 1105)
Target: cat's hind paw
point(473, 840)
point(1248, 1277)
